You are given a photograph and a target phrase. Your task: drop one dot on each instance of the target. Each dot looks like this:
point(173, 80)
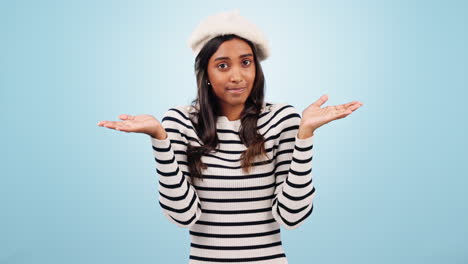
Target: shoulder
point(278, 116)
point(179, 111)
point(280, 106)
point(177, 116)
point(282, 110)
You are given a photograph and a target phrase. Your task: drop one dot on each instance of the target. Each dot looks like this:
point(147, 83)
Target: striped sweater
point(235, 216)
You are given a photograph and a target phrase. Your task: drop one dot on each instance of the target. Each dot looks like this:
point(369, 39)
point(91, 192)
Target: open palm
point(146, 124)
point(314, 116)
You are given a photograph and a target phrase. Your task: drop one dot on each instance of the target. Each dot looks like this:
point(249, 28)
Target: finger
point(341, 114)
point(340, 111)
point(321, 100)
point(120, 125)
point(343, 107)
point(349, 106)
point(350, 109)
point(102, 123)
point(350, 103)
point(124, 126)
point(126, 117)
point(355, 106)
point(121, 128)
point(110, 124)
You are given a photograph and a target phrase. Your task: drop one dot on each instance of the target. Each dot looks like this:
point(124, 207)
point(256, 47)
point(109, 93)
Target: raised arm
point(294, 193)
point(178, 198)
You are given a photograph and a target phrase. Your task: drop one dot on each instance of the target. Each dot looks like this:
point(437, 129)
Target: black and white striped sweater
point(233, 216)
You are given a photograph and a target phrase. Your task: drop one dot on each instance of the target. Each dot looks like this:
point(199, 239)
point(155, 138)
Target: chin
point(236, 102)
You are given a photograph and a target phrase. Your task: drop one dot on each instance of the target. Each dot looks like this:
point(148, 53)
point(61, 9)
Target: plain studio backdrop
point(391, 178)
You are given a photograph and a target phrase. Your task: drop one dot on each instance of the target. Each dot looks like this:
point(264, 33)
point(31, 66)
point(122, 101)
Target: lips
point(236, 90)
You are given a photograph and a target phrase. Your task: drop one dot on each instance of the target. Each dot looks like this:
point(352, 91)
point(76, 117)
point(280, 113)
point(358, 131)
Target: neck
point(232, 112)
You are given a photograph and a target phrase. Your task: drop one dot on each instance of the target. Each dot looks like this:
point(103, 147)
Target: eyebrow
point(227, 58)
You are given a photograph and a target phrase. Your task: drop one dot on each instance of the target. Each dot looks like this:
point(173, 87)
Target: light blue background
point(391, 178)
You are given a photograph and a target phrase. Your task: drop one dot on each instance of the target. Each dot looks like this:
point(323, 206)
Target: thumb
point(126, 117)
point(321, 100)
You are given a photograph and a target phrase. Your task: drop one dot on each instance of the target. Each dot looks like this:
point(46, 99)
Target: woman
point(233, 168)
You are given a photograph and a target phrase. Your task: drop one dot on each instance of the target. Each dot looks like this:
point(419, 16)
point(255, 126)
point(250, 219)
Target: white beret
point(225, 23)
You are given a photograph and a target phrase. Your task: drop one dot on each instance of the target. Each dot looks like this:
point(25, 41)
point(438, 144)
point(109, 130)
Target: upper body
point(254, 157)
point(232, 214)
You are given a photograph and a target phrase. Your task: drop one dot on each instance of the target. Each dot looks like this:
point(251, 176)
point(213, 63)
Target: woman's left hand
point(314, 117)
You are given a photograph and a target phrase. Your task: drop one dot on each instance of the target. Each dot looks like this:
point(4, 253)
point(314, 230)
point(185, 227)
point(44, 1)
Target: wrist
point(159, 134)
point(305, 132)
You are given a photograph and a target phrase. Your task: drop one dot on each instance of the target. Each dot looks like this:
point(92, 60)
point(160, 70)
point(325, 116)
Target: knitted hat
point(225, 23)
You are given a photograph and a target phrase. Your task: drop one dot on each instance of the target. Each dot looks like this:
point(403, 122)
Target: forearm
point(159, 133)
point(305, 132)
point(293, 199)
point(177, 197)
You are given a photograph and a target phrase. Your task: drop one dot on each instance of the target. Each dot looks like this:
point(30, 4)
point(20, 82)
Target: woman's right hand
point(146, 124)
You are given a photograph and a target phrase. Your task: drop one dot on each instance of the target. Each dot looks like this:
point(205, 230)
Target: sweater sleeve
point(294, 193)
point(177, 197)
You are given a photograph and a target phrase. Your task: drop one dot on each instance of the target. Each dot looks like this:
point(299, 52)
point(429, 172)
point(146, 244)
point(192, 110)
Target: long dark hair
point(208, 109)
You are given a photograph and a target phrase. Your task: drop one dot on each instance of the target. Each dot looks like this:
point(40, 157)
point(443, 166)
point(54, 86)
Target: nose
point(236, 76)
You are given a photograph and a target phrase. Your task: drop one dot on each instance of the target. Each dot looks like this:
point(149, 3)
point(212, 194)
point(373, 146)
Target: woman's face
point(231, 72)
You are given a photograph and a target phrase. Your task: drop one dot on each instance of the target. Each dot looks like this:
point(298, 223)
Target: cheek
point(218, 89)
point(251, 76)
point(217, 78)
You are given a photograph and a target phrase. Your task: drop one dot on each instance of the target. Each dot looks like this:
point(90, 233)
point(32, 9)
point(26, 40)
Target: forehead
point(232, 48)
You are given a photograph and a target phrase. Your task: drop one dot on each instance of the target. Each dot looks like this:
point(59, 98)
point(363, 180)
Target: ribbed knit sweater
point(234, 216)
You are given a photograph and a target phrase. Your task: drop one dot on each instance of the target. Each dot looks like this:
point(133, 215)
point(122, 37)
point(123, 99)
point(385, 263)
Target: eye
point(219, 65)
point(249, 62)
